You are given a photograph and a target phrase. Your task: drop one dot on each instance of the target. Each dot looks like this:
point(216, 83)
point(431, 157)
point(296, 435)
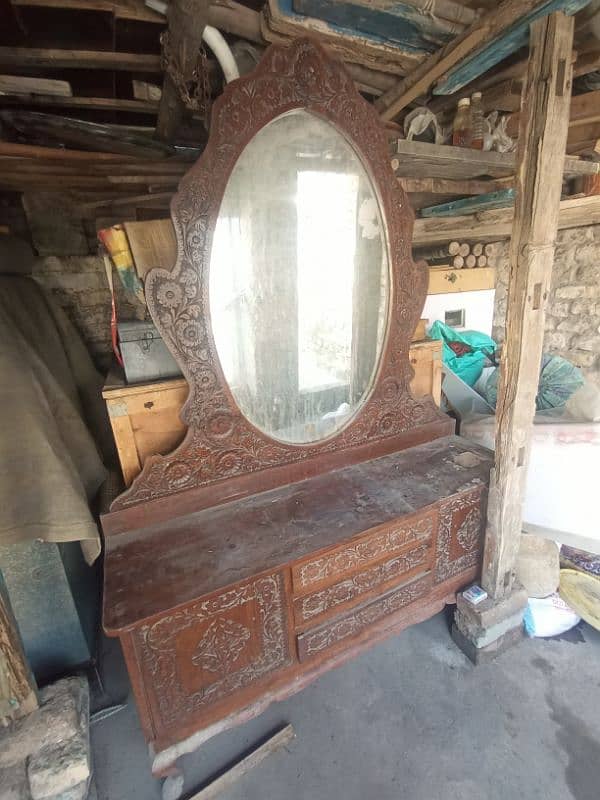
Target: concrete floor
point(411, 719)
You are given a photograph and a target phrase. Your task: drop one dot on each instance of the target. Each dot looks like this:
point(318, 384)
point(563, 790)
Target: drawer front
point(205, 652)
point(374, 546)
point(314, 642)
point(347, 592)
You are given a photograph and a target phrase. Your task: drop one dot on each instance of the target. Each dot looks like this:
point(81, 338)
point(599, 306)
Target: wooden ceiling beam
point(50, 58)
point(480, 33)
point(135, 10)
point(89, 103)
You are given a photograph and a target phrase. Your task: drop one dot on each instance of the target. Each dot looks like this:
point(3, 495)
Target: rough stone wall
point(573, 313)
point(79, 286)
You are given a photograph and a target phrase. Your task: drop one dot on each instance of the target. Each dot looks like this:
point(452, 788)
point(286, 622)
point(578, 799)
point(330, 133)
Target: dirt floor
point(410, 720)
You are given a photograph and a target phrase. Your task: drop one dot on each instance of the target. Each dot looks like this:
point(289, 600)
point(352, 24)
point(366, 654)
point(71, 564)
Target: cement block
point(492, 612)
point(482, 637)
point(483, 655)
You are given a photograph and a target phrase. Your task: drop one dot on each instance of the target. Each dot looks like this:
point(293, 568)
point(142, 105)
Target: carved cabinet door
point(195, 657)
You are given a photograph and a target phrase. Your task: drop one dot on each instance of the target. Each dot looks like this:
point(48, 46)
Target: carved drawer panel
point(315, 641)
point(460, 537)
point(199, 655)
point(391, 539)
point(348, 591)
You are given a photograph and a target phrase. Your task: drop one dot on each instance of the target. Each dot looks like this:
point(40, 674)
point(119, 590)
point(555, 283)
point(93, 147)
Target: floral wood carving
point(221, 645)
point(375, 545)
point(351, 588)
point(220, 442)
point(461, 521)
point(158, 654)
point(353, 622)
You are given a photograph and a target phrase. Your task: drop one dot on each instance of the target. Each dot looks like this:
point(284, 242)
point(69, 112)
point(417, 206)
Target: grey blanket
point(50, 467)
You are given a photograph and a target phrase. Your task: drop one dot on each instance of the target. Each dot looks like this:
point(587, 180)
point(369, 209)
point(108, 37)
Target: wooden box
point(145, 416)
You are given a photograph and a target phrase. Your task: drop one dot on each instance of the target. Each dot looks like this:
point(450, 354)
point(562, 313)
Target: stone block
point(556, 340)
point(570, 292)
point(538, 567)
point(13, 783)
point(482, 637)
point(590, 343)
point(574, 325)
point(560, 309)
point(56, 718)
point(490, 612)
point(581, 358)
point(483, 655)
point(59, 768)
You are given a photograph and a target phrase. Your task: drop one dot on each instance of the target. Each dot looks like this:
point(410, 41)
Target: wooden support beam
point(18, 692)
point(89, 103)
point(491, 226)
point(542, 141)
point(187, 19)
point(78, 59)
point(479, 33)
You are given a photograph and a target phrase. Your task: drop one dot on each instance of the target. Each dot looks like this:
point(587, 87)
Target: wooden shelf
point(423, 160)
point(491, 226)
point(445, 280)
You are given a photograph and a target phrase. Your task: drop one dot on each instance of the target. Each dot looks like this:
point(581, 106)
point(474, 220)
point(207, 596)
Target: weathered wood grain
point(542, 140)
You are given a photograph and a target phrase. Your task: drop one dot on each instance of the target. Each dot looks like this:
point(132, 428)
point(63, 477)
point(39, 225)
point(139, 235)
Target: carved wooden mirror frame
point(220, 442)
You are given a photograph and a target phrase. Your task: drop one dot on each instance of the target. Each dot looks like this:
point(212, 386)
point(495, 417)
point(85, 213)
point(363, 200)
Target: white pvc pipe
point(213, 39)
point(222, 51)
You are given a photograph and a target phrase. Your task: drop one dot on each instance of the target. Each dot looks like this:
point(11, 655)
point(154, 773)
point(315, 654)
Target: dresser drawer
point(351, 590)
point(386, 540)
point(314, 642)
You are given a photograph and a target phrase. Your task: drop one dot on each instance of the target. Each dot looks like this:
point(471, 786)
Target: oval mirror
point(299, 280)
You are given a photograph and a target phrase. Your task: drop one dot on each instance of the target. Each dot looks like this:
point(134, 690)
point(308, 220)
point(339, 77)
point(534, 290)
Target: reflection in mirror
point(299, 280)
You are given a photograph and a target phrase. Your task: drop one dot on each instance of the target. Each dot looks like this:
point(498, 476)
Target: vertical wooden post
point(542, 144)
point(18, 693)
point(187, 20)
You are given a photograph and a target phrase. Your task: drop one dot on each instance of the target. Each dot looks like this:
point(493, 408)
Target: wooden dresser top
point(162, 566)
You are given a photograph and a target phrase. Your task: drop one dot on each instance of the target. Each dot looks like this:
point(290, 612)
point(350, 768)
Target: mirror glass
point(299, 280)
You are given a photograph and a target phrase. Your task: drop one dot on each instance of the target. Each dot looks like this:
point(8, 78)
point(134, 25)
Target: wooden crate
point(145, 417)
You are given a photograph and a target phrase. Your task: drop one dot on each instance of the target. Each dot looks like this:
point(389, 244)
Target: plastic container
point(461, 127)
point(477, 122)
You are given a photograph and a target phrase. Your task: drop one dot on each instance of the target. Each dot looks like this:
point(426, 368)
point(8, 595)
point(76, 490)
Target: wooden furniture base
point(222, 611)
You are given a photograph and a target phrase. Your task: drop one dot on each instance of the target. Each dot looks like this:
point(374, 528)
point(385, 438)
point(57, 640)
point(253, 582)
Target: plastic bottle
point(461, 128)
point(477, 122)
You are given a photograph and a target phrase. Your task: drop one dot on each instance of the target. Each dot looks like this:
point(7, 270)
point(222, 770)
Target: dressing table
point(314, 506)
